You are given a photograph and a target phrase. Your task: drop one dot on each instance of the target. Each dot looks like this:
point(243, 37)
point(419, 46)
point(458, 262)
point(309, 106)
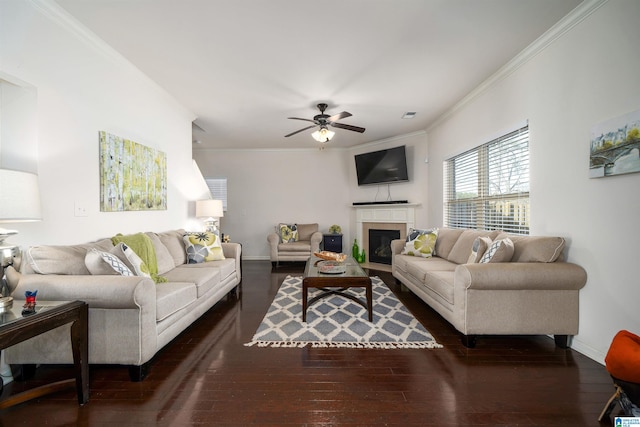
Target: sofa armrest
point(521, 276)
point(234, 250)
point(397, 246)
point(316, 238)
point(118, 292)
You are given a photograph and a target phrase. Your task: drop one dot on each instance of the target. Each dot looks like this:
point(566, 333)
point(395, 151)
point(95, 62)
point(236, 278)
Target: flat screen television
point(382, 167)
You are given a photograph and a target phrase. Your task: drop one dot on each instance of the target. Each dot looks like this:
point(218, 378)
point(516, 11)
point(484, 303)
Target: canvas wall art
point(615, 146)
point(133, 177)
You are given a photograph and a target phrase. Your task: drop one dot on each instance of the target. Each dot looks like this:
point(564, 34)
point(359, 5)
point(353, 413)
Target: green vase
point(355, 250)
point(362, 257)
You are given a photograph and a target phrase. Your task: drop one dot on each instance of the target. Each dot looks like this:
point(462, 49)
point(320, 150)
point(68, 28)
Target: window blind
point(487, 188)
point(218, 189)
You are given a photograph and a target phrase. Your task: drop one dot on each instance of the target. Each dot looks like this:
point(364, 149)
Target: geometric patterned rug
point(335, 321)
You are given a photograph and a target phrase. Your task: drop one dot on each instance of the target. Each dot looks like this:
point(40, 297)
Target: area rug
point(335, 321)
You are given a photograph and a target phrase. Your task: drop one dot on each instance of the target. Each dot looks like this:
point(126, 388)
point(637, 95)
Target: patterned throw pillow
point(480, 246)
point(134, 261)
point(500, 251)
point(288, 233)
point(100, 262)
point(202, 246)
point(421, 243)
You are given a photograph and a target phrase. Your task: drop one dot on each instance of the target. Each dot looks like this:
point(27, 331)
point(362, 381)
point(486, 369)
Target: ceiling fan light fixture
point(323, 135)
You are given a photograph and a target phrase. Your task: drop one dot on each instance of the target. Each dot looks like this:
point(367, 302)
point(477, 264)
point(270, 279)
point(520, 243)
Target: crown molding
point(329, 147)
point(573, 18)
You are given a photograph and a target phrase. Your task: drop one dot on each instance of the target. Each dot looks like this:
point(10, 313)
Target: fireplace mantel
point(384, 213)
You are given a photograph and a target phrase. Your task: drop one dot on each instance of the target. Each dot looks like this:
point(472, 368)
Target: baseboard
point(587, 350)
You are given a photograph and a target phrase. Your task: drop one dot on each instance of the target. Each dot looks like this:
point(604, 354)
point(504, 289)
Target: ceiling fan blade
point(306, 120)
point(339, 116)
point(348, 127)
point(300, 130)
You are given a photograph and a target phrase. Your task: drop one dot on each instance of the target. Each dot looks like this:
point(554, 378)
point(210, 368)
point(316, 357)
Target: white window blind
point(218, 189)
point(487, 188)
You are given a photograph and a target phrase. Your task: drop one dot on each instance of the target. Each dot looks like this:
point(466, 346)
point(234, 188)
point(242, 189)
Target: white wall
point(84, 87)
point(588, 75)
point(266, 187)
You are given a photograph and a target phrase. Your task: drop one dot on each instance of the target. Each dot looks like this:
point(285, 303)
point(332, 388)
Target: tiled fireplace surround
point(399, 217)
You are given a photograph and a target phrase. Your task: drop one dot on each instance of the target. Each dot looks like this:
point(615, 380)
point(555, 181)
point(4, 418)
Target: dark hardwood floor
point(207, 376)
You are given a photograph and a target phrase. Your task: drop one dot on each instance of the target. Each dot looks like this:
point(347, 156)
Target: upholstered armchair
point(293, 242)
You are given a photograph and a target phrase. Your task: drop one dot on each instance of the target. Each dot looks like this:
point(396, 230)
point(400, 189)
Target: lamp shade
point(323, 135)
point(209, 208)
point(19, 196)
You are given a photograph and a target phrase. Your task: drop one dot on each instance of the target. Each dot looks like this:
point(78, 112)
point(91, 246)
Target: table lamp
point(19, 202)
point(211, 210)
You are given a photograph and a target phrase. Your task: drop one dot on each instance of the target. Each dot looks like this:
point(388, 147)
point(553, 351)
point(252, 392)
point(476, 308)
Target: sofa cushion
point(500, 250)
point(172, 297)
point(306, 230)
point(172, 240)
point(418, 266)
point(447, 238)
point(203, 275)
point(462, 248)
point(163, 256)
point(61, 259)
point(441, 282)
point(536, 248)
point(202, 246)
point(420, 243)
point(299, 246)
point(288, 233)
point(480, 246)
point(226, 266)
point(101, 262)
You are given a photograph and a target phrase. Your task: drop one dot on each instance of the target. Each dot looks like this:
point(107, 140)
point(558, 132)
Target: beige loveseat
point(299, 248)
point(535, 292)
point(130, 317)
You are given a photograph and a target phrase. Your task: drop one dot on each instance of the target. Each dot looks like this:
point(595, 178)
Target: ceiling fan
point(323, 134)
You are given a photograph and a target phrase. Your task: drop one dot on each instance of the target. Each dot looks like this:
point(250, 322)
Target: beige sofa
point(130, 317)
point(307, 242)
point(534, 293)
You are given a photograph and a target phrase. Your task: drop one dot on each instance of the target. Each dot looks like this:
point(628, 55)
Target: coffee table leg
point(80, 350)
point(370, 300)
point(304, 301)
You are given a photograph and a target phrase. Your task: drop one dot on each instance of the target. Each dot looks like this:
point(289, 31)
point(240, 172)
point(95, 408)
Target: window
point(218, 189)
point(487, 188)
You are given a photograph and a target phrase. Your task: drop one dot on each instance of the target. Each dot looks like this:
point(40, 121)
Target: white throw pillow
point(480, 246)
point(100, 262)
point(500, 251)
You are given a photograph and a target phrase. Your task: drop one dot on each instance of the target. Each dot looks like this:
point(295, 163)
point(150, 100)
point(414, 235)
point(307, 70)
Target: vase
point(355, 250)
point(362, 257)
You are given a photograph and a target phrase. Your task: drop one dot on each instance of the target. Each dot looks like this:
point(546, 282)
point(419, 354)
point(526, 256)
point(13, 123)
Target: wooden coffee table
point(336, 284)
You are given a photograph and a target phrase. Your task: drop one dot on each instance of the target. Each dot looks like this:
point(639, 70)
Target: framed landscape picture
point(133, 177)
point(615, 146)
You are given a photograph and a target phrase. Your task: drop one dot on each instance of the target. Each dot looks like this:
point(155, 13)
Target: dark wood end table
point(336, 284)
point(15, 328)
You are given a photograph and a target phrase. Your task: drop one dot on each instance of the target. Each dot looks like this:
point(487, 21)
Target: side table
point(332, 242)
point(15, 328)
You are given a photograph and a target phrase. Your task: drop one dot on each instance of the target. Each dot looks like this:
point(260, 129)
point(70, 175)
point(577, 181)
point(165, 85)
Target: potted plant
point(335, 229)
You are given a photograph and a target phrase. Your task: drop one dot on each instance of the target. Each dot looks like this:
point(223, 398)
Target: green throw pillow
point(421, 243)
point(288, 233)
point(202, 246)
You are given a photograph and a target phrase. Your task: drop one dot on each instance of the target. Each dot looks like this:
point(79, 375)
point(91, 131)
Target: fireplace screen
point(380, 245)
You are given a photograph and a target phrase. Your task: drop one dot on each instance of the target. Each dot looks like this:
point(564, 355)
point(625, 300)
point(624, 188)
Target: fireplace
point(399, 218)
point(380, 245)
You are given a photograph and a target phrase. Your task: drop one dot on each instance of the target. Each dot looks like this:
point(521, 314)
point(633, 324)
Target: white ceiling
point(244, 66)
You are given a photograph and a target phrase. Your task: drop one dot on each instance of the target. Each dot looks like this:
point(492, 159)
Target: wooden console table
point(15, 328)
